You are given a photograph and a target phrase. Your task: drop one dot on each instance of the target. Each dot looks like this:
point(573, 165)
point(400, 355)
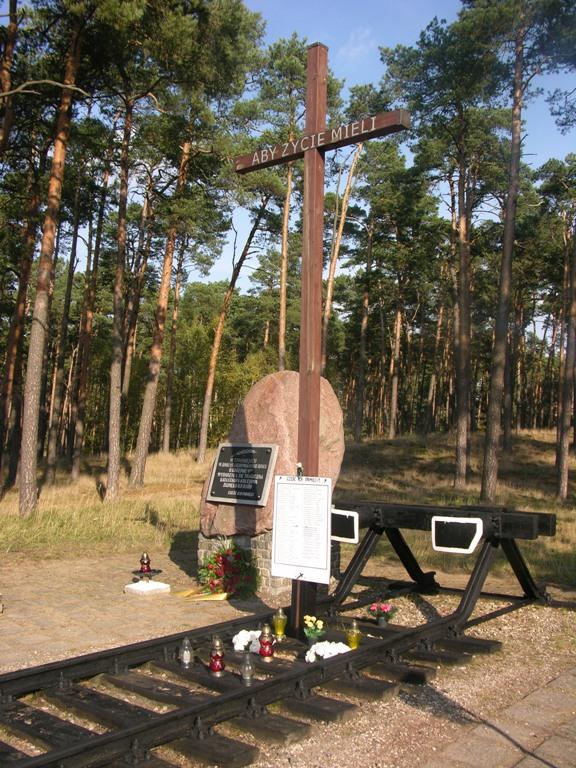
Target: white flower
point(310, 655)
point(245, 636)
point(325, 650)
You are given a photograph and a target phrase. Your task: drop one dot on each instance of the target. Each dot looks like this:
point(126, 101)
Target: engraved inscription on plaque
point(242, 474)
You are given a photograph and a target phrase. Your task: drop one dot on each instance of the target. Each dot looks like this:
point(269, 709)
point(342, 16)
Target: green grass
point(163, 514)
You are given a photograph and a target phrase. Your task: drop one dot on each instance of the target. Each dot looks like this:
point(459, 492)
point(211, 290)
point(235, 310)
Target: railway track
point(138, 705)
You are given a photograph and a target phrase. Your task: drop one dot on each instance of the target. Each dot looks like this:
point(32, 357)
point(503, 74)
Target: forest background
point(452, 312)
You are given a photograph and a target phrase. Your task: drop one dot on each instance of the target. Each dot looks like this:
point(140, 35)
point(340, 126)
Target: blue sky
point(354, 32)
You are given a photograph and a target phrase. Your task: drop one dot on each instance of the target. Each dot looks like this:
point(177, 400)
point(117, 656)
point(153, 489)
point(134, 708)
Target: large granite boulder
point(269, 414)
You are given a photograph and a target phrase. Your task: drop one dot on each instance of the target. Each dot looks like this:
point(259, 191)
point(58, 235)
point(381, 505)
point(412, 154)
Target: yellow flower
point(320, 624)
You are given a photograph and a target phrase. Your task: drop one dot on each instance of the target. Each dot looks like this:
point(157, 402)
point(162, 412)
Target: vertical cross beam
point(312, 147)
point(304, 593)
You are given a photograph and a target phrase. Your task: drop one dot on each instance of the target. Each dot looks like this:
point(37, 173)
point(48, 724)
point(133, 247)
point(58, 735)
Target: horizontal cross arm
point(331, 138)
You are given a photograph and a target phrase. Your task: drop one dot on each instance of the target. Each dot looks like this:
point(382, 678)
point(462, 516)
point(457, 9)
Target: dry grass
point(72, 520)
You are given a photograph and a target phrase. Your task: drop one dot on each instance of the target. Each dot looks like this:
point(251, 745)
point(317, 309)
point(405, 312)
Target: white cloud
point(359, 43)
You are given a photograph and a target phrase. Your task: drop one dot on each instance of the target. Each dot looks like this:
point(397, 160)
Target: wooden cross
point(316, 141)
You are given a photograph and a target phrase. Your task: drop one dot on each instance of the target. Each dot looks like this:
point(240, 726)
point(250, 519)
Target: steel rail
point(194, 718)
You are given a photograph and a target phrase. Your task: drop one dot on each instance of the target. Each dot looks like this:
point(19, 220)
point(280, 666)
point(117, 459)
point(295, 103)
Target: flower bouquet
point(382, 612)
point(313, 628)
point(325, 650)
point(229, 570)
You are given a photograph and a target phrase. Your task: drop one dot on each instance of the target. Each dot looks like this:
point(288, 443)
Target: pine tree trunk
point(66, 405)
point(420, 376)
point(546, 408)
point(75, 383)
point(32, 392)
point(56, 409)
point(149, 403)
point(284, 273)
point(563, 445)
point(525, 396)
point(15, 426)
point(6, 75)
point(394, 370)
point(205, 418)
point(86, 325)
point(383, 414)
point(135, 292)
point(510, 379)
point(361, 377)
point(335, 253)
point(172, 353)
point(408, 394)
point(562, 323)
point(493, 426)
point(16, 333)
point(50, 354)
point(462, 356)
point(433, 384)
point(115, 416)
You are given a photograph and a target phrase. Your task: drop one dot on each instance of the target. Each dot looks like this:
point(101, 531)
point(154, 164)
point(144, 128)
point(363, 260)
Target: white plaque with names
point(301, 532)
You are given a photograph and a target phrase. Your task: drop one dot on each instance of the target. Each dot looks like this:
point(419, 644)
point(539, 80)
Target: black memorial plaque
point(242, 474)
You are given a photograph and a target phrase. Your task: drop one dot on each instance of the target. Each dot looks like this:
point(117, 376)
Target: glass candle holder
point(186, 653)
point(247, 669)
point(216, 664)
point(353, 635)
point(279, 623)
point(266, 643)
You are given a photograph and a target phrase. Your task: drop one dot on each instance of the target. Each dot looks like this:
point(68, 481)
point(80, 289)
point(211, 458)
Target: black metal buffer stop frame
point(501, 529)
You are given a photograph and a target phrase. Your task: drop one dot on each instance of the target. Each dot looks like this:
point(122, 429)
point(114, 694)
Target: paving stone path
point(539, 730)
point(57, 609)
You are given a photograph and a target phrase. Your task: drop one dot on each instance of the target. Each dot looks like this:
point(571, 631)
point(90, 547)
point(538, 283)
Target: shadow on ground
point(423, 466)
point(184, 552)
